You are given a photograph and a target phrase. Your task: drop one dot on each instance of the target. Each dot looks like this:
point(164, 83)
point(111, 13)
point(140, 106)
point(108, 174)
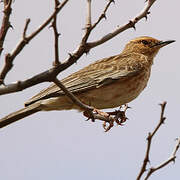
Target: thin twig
point(56, 37)
point(87, 26)
point(71, 96)
point(130, 24)
point(5, 23)
point(149, 140)
point(48, 75)
point(88, 20)
point(8, 58)
point(56, 11)
point(23, 42)
point(103, 15)
point(166, 162)
point(25, 28)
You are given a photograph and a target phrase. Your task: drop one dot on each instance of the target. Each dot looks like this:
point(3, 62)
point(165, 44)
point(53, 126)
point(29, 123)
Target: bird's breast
point(118, 93)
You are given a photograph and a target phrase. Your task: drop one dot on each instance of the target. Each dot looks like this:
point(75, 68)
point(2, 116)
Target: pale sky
point(62, 145)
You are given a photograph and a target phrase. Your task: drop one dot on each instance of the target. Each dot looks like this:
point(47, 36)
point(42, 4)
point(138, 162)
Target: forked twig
point(149, 140)
point(166, 162)
point(130, 24)
point(84, 47)
point(5, 23)
point(23, 42)
point(56, 62)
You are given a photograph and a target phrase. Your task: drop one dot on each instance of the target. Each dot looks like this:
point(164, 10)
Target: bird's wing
point(98, 74)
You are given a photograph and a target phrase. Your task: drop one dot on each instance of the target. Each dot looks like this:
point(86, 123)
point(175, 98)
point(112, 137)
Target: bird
point(106, 83)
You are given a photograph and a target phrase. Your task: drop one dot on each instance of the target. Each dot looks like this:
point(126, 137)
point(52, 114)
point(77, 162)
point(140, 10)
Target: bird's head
point(145, 45)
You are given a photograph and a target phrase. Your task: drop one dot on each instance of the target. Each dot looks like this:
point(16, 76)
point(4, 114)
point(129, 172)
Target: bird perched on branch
point(107, 83)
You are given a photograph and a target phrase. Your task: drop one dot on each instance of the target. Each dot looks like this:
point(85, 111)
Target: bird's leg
point(91, 115)
point(97, 111)
point(117, 116)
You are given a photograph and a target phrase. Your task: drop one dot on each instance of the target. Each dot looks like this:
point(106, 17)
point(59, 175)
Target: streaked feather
point(100, 73)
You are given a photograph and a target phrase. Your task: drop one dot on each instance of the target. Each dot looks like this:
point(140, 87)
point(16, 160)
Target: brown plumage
point(107, 83)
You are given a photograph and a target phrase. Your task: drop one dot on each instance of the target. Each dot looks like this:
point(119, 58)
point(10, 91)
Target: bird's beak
point(161, 44)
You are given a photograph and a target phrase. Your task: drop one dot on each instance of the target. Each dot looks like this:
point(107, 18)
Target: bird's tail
point(15, 116)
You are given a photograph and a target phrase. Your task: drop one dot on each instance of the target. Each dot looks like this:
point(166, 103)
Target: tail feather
point(15, 116)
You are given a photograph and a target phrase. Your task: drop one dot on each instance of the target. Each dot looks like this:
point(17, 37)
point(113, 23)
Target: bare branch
point(5, 23)
point(56, 11)
point(166, 162)
point(50, 74)
point(56, 37)
point(149, 140)
point(103, 15)
point(88, 20)
point(25, 28)
point(130, 24)
point(23, 42)
point(88, 25)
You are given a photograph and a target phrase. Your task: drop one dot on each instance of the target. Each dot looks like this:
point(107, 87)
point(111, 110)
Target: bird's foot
point(117, 116)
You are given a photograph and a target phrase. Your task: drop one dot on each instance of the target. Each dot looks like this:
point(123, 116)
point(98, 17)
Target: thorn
point(174, 159)
point(163, 119)
point(132, 24)
point(113, 1)
point(104, 16)
point(87, 53)
point(145, 17)
point(148, 137)
point(11, 26)
point(70, 55)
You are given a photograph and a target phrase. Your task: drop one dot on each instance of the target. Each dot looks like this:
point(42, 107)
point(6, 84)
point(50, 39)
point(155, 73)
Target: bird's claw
point(117, 116)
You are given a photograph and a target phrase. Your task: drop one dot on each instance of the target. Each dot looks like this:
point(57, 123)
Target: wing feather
point(98, 74)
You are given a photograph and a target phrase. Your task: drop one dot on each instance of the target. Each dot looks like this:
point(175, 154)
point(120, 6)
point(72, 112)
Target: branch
point(25, 41)
point(165, 163)
point(88, 25)
point(103, 15)
point(71, 96)
point(8, 58)
point(83, 47)
point(56, 37)
point(88, 17)
point(130, 24)
point(5, 22)
point(149, 140)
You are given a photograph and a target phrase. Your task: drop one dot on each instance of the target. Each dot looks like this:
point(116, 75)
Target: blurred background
point(62, 145)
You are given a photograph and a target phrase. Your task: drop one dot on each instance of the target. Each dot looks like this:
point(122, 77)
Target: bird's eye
point(145, 42)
